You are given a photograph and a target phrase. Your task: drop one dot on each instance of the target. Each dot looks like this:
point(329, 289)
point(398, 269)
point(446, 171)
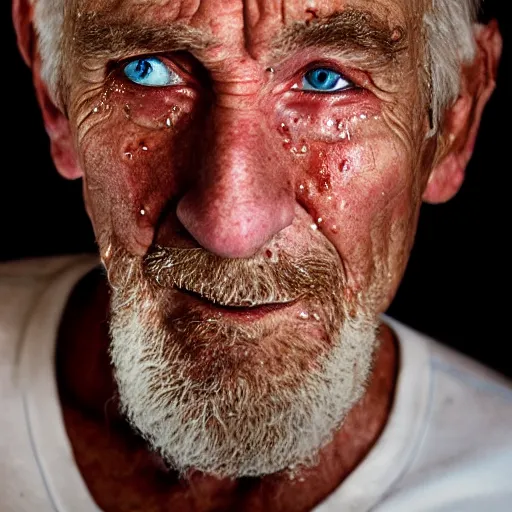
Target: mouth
point(241, 311)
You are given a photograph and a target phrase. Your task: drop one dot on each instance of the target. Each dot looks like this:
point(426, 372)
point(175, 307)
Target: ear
point(56, 123)
point(462, 120)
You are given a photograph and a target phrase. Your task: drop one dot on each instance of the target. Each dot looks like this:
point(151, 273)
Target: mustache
point(245, 282)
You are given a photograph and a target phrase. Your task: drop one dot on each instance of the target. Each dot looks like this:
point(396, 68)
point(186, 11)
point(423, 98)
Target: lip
point(240, 313)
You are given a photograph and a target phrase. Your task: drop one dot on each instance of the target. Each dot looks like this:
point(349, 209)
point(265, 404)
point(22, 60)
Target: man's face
point(253, 171)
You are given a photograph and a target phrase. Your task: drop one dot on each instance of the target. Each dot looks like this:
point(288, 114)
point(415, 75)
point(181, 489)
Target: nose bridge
point(238, 200)
point(234, 150)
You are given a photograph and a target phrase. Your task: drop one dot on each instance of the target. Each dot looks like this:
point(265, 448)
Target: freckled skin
point(237, 160)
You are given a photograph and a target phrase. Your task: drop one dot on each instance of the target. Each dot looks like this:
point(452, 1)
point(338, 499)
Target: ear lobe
point(462, 120)
point(55, 122)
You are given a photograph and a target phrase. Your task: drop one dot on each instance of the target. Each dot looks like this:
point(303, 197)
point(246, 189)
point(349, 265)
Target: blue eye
point(324, 80)
point(151, 72)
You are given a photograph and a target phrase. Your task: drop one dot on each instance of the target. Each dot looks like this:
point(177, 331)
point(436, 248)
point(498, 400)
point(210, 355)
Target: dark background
point(457, 285)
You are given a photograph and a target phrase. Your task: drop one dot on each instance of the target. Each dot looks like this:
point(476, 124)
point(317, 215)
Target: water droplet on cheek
point(303, 315)
point(284, 130)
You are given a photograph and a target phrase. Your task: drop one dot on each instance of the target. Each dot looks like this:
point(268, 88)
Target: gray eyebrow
point(350, 30)
point(97, 35)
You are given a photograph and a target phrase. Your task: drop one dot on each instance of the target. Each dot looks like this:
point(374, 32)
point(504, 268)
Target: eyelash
point(347, 75)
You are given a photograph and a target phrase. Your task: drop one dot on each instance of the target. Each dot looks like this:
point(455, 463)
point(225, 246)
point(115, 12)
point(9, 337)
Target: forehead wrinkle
point(353, 30)
point(98, 35)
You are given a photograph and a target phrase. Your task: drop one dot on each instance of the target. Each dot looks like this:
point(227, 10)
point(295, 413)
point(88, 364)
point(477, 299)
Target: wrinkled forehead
point(255, 25)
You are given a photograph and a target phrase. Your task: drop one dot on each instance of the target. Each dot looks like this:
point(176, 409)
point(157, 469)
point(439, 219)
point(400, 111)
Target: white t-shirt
point(447, 446)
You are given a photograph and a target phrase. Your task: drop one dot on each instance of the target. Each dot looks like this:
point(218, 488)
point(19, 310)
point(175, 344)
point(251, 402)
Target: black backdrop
point(457, 285)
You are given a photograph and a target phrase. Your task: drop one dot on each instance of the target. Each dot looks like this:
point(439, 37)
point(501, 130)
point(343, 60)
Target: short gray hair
point(449, 27)
point(449, 43)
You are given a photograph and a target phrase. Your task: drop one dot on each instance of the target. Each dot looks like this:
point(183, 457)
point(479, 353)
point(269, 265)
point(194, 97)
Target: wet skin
point(236, 158)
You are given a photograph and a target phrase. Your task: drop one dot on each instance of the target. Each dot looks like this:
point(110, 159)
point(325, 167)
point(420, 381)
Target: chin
point(231, 392)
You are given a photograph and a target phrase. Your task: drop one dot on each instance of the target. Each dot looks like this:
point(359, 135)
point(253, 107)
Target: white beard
point(257, 425)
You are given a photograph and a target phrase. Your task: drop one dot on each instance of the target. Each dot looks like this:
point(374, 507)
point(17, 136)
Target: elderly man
point(253, 172)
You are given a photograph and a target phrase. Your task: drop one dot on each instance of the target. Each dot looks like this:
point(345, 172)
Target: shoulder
point(23, 283)
point(463, 457)
point(39, 268)
point(32, 294)
point(454, 378)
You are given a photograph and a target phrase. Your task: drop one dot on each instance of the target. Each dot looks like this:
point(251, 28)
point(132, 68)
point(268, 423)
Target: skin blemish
point(312, 14)
point(284, 130)
point(397, 34)
point(344, 167)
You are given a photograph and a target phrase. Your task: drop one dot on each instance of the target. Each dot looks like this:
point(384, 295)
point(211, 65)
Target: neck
point(115, 462)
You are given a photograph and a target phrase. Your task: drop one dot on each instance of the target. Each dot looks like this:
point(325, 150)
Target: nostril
point(230, 229)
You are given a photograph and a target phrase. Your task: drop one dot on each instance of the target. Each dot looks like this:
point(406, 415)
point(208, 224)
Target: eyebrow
point(97, 35)
point(358, 34)
point(354, 31)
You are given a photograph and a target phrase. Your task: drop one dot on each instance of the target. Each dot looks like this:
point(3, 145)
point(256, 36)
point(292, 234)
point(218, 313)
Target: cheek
point(355, 179)
point(132, 148)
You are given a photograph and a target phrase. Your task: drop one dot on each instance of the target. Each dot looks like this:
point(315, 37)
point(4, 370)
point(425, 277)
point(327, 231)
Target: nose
point(240, 195)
